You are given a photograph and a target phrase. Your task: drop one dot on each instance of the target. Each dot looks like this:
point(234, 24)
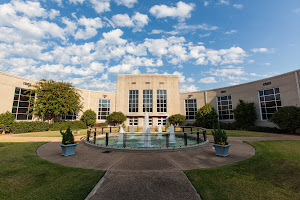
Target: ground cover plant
point(273, 173)
point(26, 176)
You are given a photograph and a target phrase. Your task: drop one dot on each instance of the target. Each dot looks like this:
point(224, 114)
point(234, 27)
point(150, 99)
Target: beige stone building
point(159, 96)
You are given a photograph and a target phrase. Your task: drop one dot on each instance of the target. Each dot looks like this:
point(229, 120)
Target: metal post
point(204, 135)
point(95, 136)
point(182, 129)
point(124, 140)
point(88, 133)
point(198, 136)
point(191, 130)
point(185, 139)
point(102, 130)
point(106, 139)
point(167, 140)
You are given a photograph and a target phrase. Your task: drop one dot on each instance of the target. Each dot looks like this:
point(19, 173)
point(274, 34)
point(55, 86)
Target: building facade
point(159, 96)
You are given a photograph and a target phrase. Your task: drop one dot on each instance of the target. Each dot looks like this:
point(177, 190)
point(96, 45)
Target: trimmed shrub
point(176, 119)
point(89, 117)
point(6, 121)
point(25, 127)
point(57, 126)
point(245, 114)
point(220, 136)
point(116, 118)
point(207, 117)
point(67, 137)
point(288, 118)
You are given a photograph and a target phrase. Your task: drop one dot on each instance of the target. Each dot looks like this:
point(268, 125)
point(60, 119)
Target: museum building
point(159, 96)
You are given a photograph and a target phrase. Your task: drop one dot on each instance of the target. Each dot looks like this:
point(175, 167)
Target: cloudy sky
point(207, 43)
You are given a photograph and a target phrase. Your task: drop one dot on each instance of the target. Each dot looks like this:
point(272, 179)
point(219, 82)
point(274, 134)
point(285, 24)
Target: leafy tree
point(245, 114)
point(6, 121)
point(55, 99)
point(287, 118)
point(116, 118)
point(89, 117)
point(176, 119)
point(207, 117)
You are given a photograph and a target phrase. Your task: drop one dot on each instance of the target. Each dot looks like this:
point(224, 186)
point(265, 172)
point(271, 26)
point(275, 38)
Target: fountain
point(172, 135)
point(121, 136)
point(132, 136)
point(146, 140)
point(159, 135)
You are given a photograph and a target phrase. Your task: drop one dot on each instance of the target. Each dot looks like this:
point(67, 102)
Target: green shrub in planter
point(220, 136)
point(89, 117)
point(25, 127)
point(6, 121)
point(57, 126)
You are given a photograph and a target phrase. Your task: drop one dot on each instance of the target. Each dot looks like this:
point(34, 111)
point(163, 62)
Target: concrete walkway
point(149, 175)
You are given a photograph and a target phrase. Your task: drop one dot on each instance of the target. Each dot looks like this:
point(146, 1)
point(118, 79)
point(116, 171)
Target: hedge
point(64, 125)
point(25, 127)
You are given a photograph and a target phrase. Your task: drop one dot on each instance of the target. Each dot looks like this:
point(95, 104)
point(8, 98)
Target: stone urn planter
point(68, 149)
point(221, 150)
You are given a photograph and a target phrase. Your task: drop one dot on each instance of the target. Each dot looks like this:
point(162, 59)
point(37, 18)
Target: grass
point(238, 133)
point(273, 173)
point(26, 176)
point(48, 134)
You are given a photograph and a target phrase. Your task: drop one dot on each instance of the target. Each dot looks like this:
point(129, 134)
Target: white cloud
point(225, 72)
point(181, 11)
point(187, 88)
point(91, 25)
point(180, 75)
point(122, 68)
point(151, 70)
point(261, 50)
point(296, 11)
point(238, 6)
point(29, 8)
point(157, 47)
point(138, 21)
point(190, 80)
point(127, 3)
point(182, 26)
point(226, 2)
point(101, 5)
point(122, 20)
point(76, 1)
point(230, 32)
point(114, 37)
point(53, 13)
point(206, 3)
point(208, 80)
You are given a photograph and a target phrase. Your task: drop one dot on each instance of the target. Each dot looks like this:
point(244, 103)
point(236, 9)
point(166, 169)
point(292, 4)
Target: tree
point(176, 119)
point(245, 114)
point(89, 117)
point(207, 117)
point(287, 118)
point(6, 120)
point(55, 99)
point(116, 118)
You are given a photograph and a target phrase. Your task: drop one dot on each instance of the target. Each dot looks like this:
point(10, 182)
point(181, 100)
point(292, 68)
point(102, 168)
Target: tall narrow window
point(147, 101)
point(133, 101)
point(104, 109)
point(269, 101)
point(21, 104)
point(190, 108)
point(225, 109)
point(161, 100)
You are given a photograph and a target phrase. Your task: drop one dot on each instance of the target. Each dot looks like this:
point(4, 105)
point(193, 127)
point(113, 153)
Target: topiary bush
point(64, 125)
point(176, 119)
point(288, 118)
point(116, 118)
point(6, 121)
point(67, 137)
point(245, 114)
point(33, 126)
point(207, 117)
point(89, 117)
point(220, 136)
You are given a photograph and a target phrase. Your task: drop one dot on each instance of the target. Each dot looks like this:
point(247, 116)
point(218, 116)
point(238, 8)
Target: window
point(162, 121)
point(21, 104)
point(69, 117)
point(133, 121)
point(161, 100)
point(104, 109)
point(190, 108)
point(150, 121)
point(133, 101)
point(269, 101)
point(147, 101)
point(225, 109)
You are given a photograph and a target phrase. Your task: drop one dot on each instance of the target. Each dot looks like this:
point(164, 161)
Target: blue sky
point(207, 43)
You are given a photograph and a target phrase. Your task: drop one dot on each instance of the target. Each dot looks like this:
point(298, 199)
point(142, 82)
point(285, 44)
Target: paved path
point(149, 175)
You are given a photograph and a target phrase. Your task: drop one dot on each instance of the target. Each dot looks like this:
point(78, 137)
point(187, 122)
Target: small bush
point(220, 136)
point(89, 117)
point(67, 137)
point(6, 121)
point(116, 118)
point(25, 127)
point(176, 119)
point(57, 126)
point(245, 114)
point(288, 118)
point(207, 117)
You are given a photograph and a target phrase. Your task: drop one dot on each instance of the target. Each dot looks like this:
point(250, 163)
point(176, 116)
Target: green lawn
point(24, 175)
point(48, 134)
point(237, 133)
point(273, 173)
